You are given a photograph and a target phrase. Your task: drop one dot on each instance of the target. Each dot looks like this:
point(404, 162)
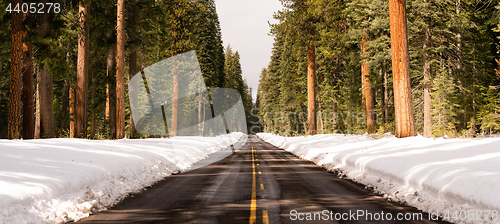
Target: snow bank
point(457, 178)
point(61, 180)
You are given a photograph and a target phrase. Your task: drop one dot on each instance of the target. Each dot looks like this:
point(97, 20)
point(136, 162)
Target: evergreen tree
point(16, 73)
point(120, 67)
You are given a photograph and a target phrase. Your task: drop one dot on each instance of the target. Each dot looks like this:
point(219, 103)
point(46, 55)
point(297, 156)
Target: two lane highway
point(258, 184)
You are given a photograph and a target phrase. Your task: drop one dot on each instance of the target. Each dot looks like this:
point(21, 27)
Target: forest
point(454, 66)
point(65, 72)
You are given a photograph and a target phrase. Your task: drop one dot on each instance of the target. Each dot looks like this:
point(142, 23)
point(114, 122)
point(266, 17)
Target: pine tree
point(28, 83)
point(489, 114)
point(120, 69)
point(405, 122)
point(443, 113)
point(82, 73)
point(16, 73)
point(300, 21)
point(368, 90)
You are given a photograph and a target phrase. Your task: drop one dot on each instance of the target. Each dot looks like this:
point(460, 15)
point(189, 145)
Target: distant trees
point(234, 80)
point(78, 57)
point(299, 20)
point(82, 73)
point(16, 73)
point(437, 84)
point(329, 70)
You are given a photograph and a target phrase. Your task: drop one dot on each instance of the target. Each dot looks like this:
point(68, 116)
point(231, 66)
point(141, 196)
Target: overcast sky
point(244, 25)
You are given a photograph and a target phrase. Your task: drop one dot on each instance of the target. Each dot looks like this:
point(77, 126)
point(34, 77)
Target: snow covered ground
point(60, 180)
point(457, 178)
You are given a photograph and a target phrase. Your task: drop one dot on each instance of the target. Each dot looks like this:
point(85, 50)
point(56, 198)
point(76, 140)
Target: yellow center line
point(261, 186)
point(253, 205)
point(265, 217)
point(260, 172)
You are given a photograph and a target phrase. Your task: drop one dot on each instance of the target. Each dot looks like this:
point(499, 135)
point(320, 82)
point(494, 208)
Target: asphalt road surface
point(258, 184)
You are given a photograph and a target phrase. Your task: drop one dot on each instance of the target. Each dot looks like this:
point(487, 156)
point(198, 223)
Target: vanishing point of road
point(259, 183)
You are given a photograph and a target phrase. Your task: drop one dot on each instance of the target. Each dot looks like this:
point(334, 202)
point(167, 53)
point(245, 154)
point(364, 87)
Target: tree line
point(337, 57)
point(66, 74)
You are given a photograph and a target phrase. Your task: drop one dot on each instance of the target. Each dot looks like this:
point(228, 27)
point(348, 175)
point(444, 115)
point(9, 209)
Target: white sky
point(244, 26)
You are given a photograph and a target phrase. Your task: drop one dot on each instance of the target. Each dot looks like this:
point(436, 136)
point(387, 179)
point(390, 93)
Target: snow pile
point(61, 180)
point(457, 178)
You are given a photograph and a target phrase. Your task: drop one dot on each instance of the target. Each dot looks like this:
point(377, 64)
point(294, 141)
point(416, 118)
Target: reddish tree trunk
point(28, 90)
point(120, 78)
point(16, 73)
point(427, 85)
point(368, 92)
point(405, 121)
point(82, 74)
point(311, 92)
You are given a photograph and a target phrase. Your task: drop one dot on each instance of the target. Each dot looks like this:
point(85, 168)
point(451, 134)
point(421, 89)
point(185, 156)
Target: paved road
point(259, 183)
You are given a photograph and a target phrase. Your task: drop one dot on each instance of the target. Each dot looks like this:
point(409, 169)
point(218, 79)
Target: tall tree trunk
point(120, 68)
point(28, 82)
point(427, 84)
point(311, 87)
point(28, 94)
point(46, 97)
point(46, 84)
point(111, 94)
point(82, 73)
point(37, 105)
point(368, 92)
point(132, 63)
point(405, 120)
point(15, 74)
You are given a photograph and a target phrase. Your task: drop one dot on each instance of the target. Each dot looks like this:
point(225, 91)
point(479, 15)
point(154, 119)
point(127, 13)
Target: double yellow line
point(253, 205)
